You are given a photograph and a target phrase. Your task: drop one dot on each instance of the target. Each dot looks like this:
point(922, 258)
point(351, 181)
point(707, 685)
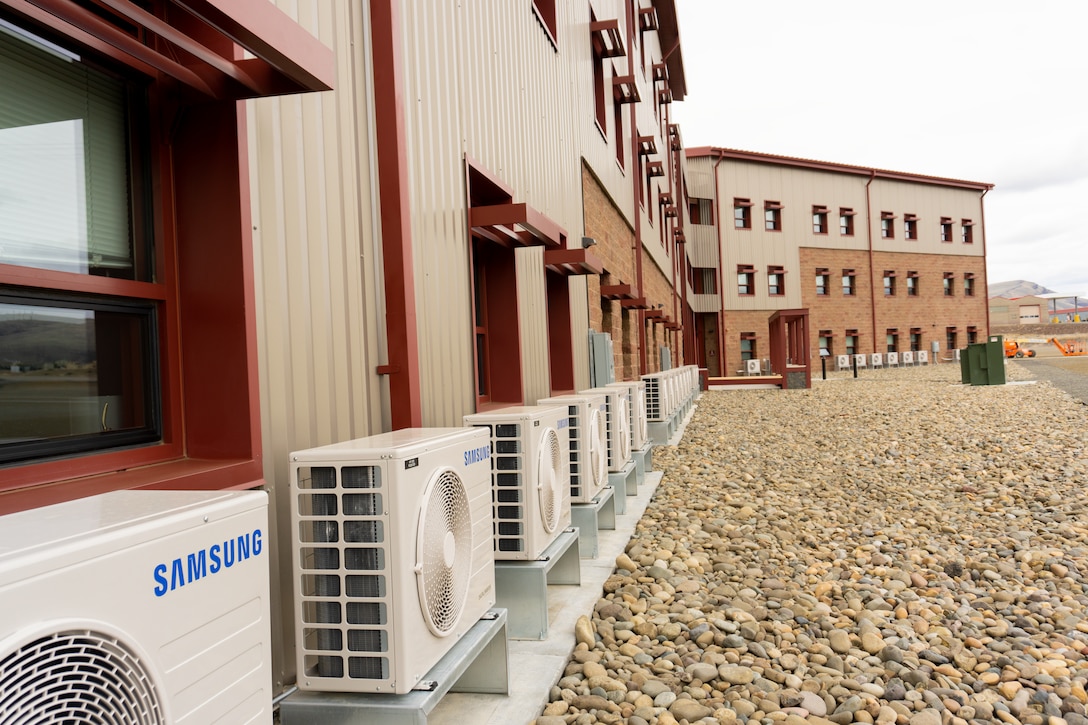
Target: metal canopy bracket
point(571, 262)
point(515, 225)
point(607, 38)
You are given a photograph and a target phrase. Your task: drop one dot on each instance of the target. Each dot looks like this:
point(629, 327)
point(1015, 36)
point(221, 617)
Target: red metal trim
point(635, 303)
point(607, 39)
point(271, 35)
point(625, 90)
point(516, 224)
point(572, 261)
point(738, 155)
point(392, 161)
point(618, 292)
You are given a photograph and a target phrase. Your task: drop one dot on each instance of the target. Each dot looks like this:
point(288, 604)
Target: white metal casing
point(142, 607)
point(637, 422)
point(530, 477)
point(588, 443)
point(657, 401)
point(619, 427)
point(389, 574)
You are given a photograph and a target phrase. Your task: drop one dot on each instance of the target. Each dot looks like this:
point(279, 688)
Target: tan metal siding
point(533, 313)
point(484, 80)
point(314, 272)
point(703, 245)
point(929, 204)
point(579, 331)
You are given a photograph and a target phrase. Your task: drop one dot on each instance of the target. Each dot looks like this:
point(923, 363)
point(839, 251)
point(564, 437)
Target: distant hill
point(1016, 288)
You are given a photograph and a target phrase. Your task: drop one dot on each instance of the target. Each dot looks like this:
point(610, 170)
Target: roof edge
point(764, 158)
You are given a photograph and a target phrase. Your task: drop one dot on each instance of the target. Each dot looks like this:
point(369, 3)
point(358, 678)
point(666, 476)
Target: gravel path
point(1068, 373)
point(898, 548)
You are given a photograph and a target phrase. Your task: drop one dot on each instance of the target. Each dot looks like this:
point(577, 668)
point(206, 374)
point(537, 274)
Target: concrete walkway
point(536, 666)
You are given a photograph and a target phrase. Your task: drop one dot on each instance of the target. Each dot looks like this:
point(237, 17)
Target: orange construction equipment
point(1070, 348)
point(1015, 349)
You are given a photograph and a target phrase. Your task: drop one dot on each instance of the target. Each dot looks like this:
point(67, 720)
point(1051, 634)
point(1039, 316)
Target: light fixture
point(588, 242)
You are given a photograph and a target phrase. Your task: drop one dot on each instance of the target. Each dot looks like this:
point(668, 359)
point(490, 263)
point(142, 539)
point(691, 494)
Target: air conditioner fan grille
point(76, 677)
point(444, 551)
point(551, 491)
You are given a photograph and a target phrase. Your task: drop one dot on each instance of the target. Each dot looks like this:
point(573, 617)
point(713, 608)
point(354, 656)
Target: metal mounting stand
point(522, 586)
point(643, 459)
point(590, 517)
point(477, 663)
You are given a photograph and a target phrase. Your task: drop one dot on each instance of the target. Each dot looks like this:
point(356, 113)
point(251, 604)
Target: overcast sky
point(985, 91)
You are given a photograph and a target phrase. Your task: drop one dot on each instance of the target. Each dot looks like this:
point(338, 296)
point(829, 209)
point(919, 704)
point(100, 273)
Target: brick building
point(883, 261)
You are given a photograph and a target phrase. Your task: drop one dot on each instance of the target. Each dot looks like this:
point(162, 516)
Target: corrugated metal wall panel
point(579, 330)
point(929, 204)
point(533, 312)
point(702, 245)
point(484, 80)
point(317, 336)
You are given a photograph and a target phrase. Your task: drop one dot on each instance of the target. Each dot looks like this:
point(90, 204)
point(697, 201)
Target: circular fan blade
point(443, 551)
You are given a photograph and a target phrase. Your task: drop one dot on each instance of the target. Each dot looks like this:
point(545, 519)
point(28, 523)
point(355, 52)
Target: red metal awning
point(618, 292)
point(571, 262)
point(201, 43)
point(607, 38)
point(515, 225)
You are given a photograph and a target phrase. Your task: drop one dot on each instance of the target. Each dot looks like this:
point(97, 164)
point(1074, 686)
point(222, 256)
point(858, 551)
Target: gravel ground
point(899, 548)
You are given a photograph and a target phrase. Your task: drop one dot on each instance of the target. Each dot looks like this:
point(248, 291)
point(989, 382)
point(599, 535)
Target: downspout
point(670, 240)
point(635, 188)
point(872, 273)
point(985, 277)
point(721, 278)
point(402, 340)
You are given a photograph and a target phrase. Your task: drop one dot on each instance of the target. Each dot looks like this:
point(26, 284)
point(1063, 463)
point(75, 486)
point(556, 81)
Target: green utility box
point(984, 362)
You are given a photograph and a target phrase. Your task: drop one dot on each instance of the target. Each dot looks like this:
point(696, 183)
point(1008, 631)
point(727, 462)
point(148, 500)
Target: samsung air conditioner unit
point(619, 427)
point(588, 443)
point(392, 555)
point(137, 607)
point(640, 428)
point(657, 402)
point(530, 477)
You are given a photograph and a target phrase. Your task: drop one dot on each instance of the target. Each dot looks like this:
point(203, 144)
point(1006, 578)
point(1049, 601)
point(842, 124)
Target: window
point(972, 335)
point(949, 281)
point(776, 281)
point(545, 13)
point(748, 346)
point(81, 370)
point(892, 340)
point(742, 214)
point(746, 279)
point(823, 281)
point(887, 225)
point(846, 221)
point(912, 284)
point(621, 147)
point(950, 338)
point(915, 339)
point(946, 229)
point(967, 231)
point(969, 284)
point(848, 288)
point(824, 342)
point(701, 211)
point(910, 226)
point(819, 220)
point(772, 215)
point(850, 339)
point(889, 283)
point(704, 281)
point(600, 97)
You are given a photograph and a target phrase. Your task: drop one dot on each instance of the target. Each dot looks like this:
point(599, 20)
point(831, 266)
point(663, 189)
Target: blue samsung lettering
point(192, 567)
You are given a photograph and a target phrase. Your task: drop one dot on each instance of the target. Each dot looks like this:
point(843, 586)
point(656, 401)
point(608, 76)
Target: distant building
point(1030, 310)
point(882, 261)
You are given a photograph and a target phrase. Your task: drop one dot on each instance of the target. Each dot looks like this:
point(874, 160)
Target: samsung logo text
point(206, 562)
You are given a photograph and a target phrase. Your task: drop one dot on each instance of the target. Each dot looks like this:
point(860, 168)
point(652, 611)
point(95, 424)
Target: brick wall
point(615, 246)
point(930, 311)
point(615, 242)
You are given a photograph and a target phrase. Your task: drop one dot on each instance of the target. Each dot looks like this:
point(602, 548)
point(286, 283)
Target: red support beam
point(392, 157)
